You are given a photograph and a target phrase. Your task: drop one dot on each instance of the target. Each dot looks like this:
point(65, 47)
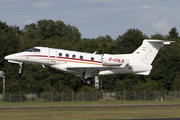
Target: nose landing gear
point(20, 68)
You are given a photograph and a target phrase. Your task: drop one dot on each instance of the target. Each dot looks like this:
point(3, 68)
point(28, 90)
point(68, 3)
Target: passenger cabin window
point(92, 58)
point(67, 55)
point(73, 56)
point(60, 54)
point(81, 57)
point(33, 50)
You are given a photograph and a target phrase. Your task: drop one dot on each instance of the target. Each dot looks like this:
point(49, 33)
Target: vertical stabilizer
point(148, 50)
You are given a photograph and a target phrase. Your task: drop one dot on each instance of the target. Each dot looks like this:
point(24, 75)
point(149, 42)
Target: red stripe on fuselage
point(59, 57)
point(33, 56)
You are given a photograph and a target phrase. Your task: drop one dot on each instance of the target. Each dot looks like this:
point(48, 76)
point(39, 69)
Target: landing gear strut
point(96, 82)
point(20, 68)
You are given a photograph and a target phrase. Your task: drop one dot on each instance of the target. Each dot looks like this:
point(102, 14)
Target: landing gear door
point(52, 56)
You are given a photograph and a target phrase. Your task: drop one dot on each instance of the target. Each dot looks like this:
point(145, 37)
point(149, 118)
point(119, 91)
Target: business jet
point(88, 65)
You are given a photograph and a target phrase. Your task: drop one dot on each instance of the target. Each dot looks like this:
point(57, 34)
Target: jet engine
point(113, 60)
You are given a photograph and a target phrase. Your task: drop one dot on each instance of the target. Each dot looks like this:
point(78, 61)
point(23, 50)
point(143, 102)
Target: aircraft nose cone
point(8, 57)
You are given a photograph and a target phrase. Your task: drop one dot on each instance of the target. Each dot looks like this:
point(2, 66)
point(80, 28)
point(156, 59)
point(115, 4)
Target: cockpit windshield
point(33, 50)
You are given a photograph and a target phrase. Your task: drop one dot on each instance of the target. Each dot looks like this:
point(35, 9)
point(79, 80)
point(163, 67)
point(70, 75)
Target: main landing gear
point(86, 81)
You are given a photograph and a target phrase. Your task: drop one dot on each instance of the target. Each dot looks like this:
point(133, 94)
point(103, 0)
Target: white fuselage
point(88, 65)
point(80, 62)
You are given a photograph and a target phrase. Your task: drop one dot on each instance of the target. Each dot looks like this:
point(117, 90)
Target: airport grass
point(89, 113)
point(6, 104)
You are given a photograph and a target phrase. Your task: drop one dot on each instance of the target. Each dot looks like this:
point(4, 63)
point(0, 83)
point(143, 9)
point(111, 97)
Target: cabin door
point(52, 56)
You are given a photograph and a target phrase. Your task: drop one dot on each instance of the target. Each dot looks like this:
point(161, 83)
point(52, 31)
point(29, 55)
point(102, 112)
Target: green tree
point(176, 82)
point(173, 33)
point(120, 86)
point(130, 41)
point(158, 36)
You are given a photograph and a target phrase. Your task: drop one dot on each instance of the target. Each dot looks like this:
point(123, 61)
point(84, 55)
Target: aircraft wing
point(93, 70)
point(97, 68)
point(80, 70)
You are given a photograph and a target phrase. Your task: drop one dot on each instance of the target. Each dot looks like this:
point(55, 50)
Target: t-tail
point(146, 53)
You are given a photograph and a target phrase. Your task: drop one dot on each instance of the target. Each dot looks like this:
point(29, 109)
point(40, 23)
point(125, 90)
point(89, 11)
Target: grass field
point(85, 103)
point(89, 113)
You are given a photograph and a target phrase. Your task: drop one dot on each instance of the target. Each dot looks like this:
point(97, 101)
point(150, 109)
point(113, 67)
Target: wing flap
point(143, 73)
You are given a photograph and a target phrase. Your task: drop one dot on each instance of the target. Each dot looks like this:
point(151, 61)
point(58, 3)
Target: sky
point(95, 18)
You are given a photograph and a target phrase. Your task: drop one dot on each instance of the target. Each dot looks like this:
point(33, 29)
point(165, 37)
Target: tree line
point(165, 74)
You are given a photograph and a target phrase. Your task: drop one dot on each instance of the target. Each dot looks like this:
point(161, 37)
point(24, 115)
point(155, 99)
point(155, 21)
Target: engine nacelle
point(113, 60)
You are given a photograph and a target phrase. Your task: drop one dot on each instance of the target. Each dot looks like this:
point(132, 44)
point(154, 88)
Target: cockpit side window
point(37, 50)
point(30, 50)
point(33, 50)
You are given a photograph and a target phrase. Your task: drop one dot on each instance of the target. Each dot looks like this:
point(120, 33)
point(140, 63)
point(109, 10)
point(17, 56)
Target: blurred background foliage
point(165, 74)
